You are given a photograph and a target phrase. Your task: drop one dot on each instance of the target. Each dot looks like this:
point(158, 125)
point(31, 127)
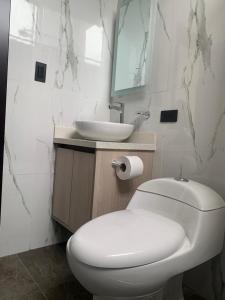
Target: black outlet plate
point(169, 116)
point(40, 72)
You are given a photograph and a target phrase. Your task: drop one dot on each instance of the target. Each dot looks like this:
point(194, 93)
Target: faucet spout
point(118, 106)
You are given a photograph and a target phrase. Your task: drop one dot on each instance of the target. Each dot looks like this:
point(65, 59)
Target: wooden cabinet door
point(111, 193)
point(82, 189)
point(62, 185)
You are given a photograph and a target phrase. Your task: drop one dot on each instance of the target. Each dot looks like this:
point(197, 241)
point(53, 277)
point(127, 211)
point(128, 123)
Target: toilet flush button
point(181, 179)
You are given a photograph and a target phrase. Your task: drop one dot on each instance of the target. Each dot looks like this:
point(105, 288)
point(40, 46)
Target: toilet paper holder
point(128, 167)
point(118, 164)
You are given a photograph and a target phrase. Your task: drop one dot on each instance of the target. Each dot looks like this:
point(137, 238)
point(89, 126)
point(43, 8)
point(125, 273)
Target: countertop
point(142, 141)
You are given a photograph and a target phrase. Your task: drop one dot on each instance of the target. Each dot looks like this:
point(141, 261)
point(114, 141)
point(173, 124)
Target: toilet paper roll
point(131, 167)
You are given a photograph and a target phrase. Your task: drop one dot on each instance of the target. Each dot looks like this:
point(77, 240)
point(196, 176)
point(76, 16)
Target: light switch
point(40, 72)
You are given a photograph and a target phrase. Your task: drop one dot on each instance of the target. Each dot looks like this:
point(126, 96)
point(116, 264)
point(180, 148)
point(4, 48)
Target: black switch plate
point(169, 116)
point(40, 72)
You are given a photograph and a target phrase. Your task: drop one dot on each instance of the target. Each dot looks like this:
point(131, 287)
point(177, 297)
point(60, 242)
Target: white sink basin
point(104, 131)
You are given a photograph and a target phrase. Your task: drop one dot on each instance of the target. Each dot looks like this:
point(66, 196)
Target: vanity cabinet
point(86, 185)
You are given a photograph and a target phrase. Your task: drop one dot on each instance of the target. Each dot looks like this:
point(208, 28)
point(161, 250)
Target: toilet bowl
point(168, 227)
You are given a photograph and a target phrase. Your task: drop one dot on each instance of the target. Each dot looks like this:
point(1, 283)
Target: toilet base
point(156, 296)
point(172, 291)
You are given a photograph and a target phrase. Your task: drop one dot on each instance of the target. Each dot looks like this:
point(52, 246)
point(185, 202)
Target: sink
point(104, 131)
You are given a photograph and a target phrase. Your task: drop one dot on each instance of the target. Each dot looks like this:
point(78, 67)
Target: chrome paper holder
point(116, 163)
point(119, 164)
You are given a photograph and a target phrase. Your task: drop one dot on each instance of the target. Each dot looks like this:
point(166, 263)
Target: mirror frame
point(5, 6)
point(152, 23)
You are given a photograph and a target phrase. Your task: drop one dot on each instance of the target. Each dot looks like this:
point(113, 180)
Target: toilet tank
point(198, 208)
point(191, 193)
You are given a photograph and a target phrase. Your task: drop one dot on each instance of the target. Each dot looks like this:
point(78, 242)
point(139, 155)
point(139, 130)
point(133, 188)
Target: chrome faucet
point(118, 106)
point(144, 114)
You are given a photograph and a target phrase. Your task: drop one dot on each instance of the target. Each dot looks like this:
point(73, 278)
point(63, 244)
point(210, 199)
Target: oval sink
point(104, 131)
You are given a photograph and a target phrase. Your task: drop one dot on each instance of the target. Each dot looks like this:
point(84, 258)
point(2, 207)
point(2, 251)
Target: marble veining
point(163, 21)
point(35, 17)
point(16, 94)
point(194, 56)
point(187, 85)
point(14, 179)
point(50, 154)
point(203, 40)
point(68, 58)
point(101, 9)
point(187, 74)
point(59, 33)
point(138, 76)
point(199, 44)
point(142, 62)
point(126, 4)
point(51, 159)
point(133, 39)
point(215, 134)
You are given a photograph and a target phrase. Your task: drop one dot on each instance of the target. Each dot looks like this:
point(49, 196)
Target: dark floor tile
point(15, 281)
point(189, 294)
point(68, 291)
point(48, 266)
point(193, 297)
point(33, 296)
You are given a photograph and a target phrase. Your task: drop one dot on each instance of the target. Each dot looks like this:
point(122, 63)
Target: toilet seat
point(130, 238)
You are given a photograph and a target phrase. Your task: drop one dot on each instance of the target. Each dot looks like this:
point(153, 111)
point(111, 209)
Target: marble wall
point(188, 74)
point(74, 38)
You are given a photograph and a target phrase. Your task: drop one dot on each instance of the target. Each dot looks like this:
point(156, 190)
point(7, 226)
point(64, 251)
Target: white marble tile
point(74, 39)
point(161, 58)
point(26, 219)
point(43, 230)
point(188, 74)
point(28, 126)
point(15, 217)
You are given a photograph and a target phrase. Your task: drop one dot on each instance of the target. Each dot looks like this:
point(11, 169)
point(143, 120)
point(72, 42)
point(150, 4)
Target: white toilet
point(168, 227)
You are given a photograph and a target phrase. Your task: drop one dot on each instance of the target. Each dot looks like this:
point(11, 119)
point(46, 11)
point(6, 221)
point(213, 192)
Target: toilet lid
point(126, 238)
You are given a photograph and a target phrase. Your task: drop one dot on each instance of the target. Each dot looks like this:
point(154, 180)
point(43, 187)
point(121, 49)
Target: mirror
point(131, 46)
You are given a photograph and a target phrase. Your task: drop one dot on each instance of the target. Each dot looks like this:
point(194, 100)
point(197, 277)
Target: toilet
point(169, 227)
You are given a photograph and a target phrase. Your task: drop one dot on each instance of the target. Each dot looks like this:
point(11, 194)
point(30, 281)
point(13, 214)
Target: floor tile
point(68, 291)
point(189, 294)
point(33, 296)
point(43, 274)
point(48, 266)
point(193, 297)
point(15, 281)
